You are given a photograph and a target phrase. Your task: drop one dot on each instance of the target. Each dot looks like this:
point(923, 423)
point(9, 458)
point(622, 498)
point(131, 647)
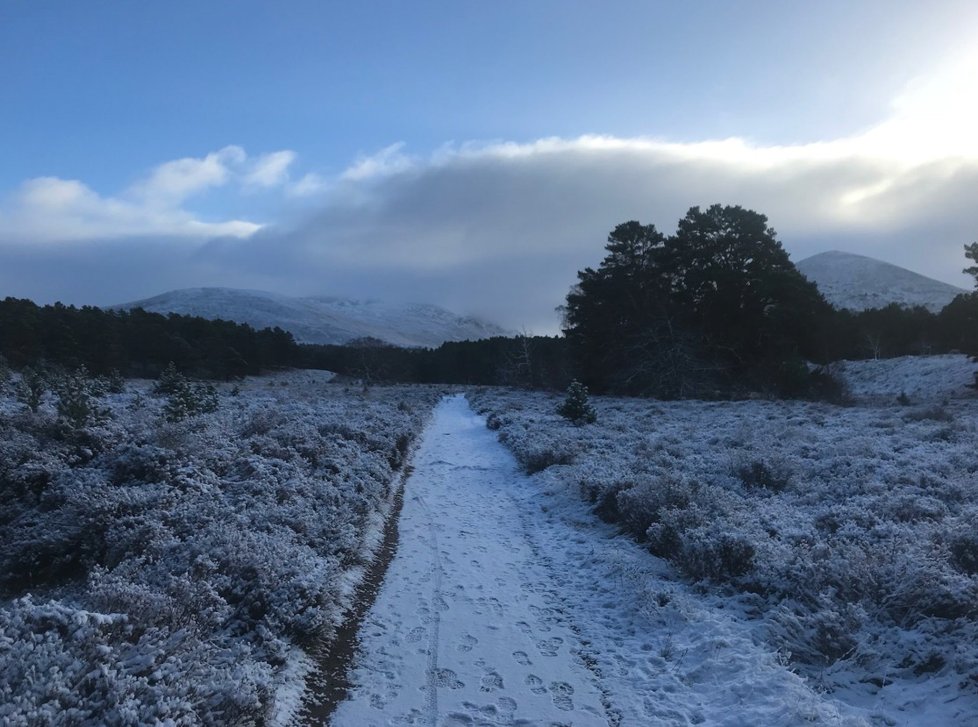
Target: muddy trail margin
point(330, 683)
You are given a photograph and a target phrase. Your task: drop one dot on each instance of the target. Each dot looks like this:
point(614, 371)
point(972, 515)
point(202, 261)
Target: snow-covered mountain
point(325, 319)
point(857, 282)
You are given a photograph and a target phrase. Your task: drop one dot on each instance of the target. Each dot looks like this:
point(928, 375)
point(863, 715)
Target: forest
point(716, 310)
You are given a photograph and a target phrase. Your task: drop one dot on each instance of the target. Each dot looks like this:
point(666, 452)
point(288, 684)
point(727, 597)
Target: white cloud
point(48, 209)
point(500, 228)
point(309, 185)
point(271, 170)
point(385, 163)
point(934, 117)
point(174, 181)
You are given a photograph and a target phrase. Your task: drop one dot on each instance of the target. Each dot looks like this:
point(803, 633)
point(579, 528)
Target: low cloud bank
point(496, 229)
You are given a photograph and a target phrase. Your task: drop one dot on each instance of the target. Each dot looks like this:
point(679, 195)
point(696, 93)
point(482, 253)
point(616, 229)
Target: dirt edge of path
point(330, 682)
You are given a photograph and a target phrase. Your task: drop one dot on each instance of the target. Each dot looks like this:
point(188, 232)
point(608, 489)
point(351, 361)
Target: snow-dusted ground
point(178, 573)
point(922, 379)
point(510, 604)
point(843, 537)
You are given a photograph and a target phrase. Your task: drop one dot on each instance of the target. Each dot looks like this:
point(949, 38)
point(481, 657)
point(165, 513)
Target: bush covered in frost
point(851, 527)
point(164, 569)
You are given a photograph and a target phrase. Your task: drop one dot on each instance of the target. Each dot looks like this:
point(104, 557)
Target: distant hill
point(323, 320)
point(857, 282)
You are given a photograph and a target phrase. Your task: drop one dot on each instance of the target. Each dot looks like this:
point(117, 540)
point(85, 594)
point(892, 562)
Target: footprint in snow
point(549, 647)
point(468, 643)
point(447, 678)
point(507, 706)
point(416, 634)
point(535, 684)
point(561, 693)
point(522, 658)
point(491, 682)
point(457, 719)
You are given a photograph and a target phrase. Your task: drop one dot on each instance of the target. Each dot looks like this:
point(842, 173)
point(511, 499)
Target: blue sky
point(416, 149)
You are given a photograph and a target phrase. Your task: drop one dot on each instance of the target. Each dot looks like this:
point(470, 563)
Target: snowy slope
point(924, 379)
point(323, 320)
point(858, 282)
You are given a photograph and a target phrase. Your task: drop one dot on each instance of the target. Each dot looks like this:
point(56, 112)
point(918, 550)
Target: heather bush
point(864, 531)
point(191, 560)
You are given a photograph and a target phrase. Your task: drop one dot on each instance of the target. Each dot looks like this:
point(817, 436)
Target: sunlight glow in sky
point(445, 151)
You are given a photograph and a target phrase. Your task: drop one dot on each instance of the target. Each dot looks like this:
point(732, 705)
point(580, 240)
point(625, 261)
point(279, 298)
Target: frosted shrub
point(538, 459)
point(169, 381)
point(865, 535)
point(191, 561)
point(78, 405)
point(964, 552)
point(187, 400)
point(712, 555)
point(30, 390)
point(115, 383)
point(818, 635)
point(759, 475)
point(642, 505)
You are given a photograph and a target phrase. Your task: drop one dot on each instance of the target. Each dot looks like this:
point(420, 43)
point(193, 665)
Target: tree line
point(136, 343)
point(718, 309)
point(715, 309)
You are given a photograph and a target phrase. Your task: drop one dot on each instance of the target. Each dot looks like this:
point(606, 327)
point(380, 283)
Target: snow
point(922, 379)
point(324, 319)
point(857, 282)
point(765, 563)
point(842, 538)
point(153, 572)
point(508, 603)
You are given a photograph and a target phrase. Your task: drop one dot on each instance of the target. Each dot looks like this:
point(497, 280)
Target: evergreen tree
point(718, 305)
point(577, 406)
point(187, 400)
point(30, 390)
point(170, 380)
point(971, 253)
point(77, 399)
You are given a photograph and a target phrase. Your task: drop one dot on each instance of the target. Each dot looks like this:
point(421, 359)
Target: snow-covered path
point(510, 605)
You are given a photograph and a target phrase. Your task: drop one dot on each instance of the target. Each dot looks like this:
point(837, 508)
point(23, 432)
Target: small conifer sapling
point(577, 407)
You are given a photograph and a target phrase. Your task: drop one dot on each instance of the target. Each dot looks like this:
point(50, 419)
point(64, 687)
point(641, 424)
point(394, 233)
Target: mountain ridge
point(859, 282)
point(323, 319)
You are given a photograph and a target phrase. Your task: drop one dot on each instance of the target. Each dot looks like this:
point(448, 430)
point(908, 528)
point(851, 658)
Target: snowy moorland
point(843, 536)
point(155, 571)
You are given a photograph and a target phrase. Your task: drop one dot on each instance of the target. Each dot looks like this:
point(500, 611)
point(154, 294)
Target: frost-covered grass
point(172, 572)
point(849, 532)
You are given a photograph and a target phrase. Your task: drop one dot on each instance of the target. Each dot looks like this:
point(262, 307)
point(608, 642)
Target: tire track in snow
point(433, 676)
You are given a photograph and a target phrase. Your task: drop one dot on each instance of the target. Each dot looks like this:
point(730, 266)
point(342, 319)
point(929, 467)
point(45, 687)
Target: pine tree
point(170, 380)
point(77, 399)
point(31, 388)
point(577, 407)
